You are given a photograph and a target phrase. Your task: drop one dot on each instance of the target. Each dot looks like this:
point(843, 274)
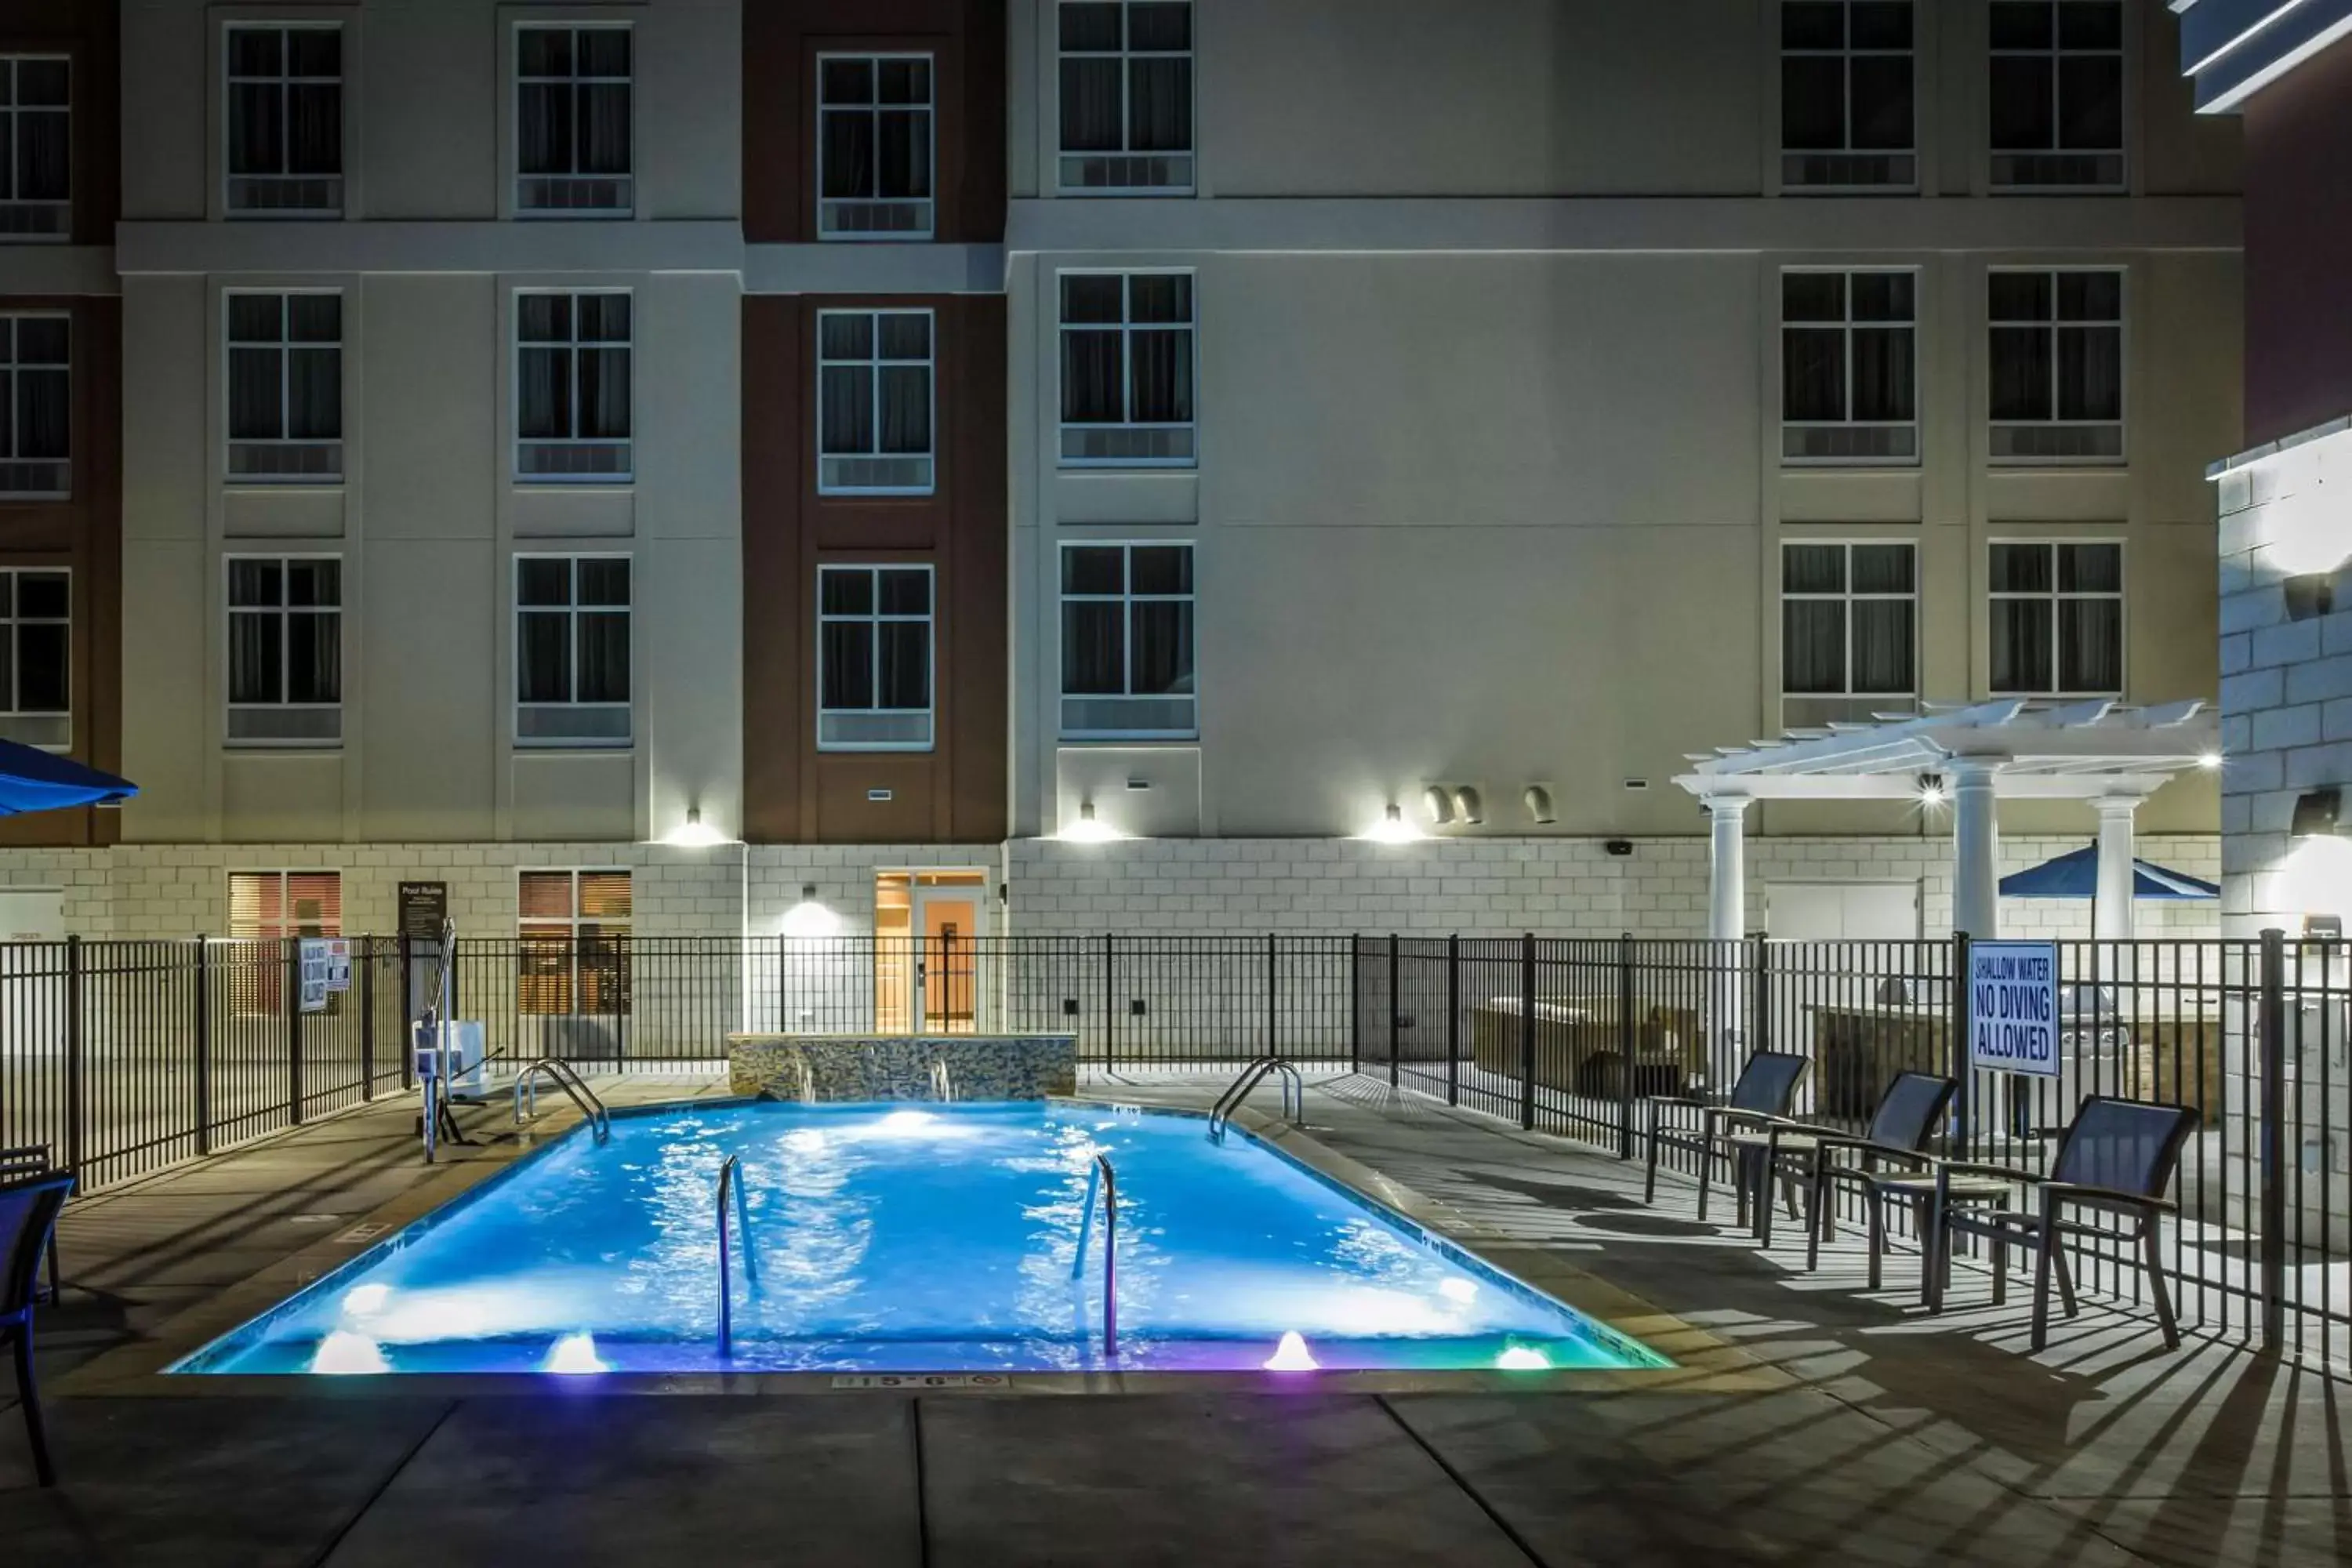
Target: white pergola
point(2101, 753)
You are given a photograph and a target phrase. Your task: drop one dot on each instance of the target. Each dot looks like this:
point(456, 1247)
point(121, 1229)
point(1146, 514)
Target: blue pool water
point(897, 1239)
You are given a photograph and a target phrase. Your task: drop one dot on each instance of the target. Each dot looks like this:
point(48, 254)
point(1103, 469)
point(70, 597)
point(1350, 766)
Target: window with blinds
point(264, 908)
point(572, 956)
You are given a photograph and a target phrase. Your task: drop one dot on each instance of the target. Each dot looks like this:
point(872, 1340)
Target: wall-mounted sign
point(339, 963)
point(317, 971)
point(423, 906)
point(2013, 1007)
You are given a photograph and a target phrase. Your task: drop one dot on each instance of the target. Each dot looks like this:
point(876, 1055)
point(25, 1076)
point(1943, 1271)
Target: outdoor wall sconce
point(2310, 593)
point(2316, 813)
point(1473, 809)
point(1440, 805)
point(1538, 805)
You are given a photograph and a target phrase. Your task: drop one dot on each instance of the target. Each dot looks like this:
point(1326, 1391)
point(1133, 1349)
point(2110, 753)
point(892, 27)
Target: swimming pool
point(897, 1239)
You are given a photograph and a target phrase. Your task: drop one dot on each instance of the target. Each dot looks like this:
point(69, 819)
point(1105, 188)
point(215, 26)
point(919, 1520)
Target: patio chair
point(2117, 1158)
point(28, 1213)
point(1762, 1093)
point(33, 1160)
point(1909, 1112)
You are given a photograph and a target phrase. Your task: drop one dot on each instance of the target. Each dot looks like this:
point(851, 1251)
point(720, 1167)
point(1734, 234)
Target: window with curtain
point(574, 943)
point(2057, 94)
point(572, 121)
point(285, 649)
point(874, 132)
point(572, 386)
point(1127, 642)
point(36, 405)
point(282, 111)
point(265, 908)
point(873, 658)
point(36, 656)
point(2057, 365)
point(1846, 95)
point(1849, 368)
point(1127, 369)
point(2056, 619)
point(1849, 629)
point(286, 387)
point(874, 402)
point(36, 147)
point(571, 649)
point(1126, 92)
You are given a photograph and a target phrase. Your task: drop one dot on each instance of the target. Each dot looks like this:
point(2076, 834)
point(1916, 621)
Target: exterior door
point(947, 967)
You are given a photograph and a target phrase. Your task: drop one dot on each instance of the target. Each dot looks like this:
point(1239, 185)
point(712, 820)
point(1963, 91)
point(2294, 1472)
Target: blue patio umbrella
point(34, 780)
point(2076, 876)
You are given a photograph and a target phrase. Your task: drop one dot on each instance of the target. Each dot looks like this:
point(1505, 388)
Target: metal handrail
point(1101, 1178)
point(730, 1181)
point(1294, 1095)
point(435, 1027)
point(569, 1081)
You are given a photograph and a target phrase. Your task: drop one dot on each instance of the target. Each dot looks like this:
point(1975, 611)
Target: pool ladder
point(566, 1078)
point(1294, 1095)
point(730, 1182)
point(1101, 1179)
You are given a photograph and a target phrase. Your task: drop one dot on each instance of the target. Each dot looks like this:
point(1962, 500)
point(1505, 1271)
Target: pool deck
point(1868, 1434)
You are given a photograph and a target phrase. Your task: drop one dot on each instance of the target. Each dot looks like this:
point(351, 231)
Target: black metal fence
point(1567, 1036)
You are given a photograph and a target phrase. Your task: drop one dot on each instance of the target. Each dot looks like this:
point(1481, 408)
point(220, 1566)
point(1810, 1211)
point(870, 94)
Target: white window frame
point(624, 938)
point(26, 220)
point(51, 728)
point(336, 184)
point(874, 622)
point(525, 209)
point(11, 367)
point(830, 464)
point(924, 210)
point(1902, 164)
point(259, 731)
point(625, 446)
point(1998, 158)
point(1127, 598)
point(285, 348)
point(1127, 328)
point(1791, 429)
point(2056, 596)
point(1178, 181)
point(2120, 424)
point(571, 611)
point(1848, 704)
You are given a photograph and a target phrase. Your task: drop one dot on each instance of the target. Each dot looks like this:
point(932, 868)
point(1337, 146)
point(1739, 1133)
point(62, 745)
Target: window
point(1127, 642)
point(1845, 95)
point(2057, 93)
point(36, 656)
point(286, 387)
point(874, 402)
point(284, 120)
point(1126, 97)
point(873, 658)
point(2057, 376)
point(1127, 369)
point(1849, 379)
point(273, 907)
point(574, 946)
point(572, 121)
point(572, 386)
point(285, 649)
point(2057, 620)
point(35, 406)
point(1849, 631)
point(36, 147)
point(874, 146)
point(571, 649)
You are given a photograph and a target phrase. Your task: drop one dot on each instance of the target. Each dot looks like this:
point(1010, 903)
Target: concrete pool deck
point(1882, 1437)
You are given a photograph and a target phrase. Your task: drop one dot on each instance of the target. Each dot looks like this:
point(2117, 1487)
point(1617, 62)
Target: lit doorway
point(928, 928)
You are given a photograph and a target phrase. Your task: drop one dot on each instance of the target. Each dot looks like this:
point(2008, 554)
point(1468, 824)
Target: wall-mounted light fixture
point(1931, 789)
point(2310, 593)
point(1537, 801)
point(694, 833)
point(1391, 828)
point(1470, 803)
point(2316, 813)
point(810, 918)
point(1439, 804)
point(1619, 846)
point(1087, 830)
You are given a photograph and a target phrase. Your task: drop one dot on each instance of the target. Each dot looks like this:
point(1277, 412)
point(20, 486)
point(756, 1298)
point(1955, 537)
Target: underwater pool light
point(344, 1352)
point(1291, 1355)
point(575, 1353)
point(1523, 1358)
point(363, 1300)
point(1457, 1288)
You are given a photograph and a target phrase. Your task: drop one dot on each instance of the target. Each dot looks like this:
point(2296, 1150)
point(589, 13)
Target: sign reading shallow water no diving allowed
point(2013, 1007)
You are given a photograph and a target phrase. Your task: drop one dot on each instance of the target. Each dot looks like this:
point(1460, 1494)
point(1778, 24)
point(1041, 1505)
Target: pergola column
point(1975, 848)
point(2112, 920)
point(1726, 868)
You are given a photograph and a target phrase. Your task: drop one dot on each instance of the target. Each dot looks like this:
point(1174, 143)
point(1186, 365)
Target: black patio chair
point(2117, 1158)
point(33, 1160)
point(1909, 1112)
point(28, 1215)
point(1762, 1094)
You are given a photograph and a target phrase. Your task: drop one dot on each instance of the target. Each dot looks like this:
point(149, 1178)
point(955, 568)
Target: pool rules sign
point(2013, 1007)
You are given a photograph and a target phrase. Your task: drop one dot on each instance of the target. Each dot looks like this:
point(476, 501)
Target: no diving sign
point(2013, 1007)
